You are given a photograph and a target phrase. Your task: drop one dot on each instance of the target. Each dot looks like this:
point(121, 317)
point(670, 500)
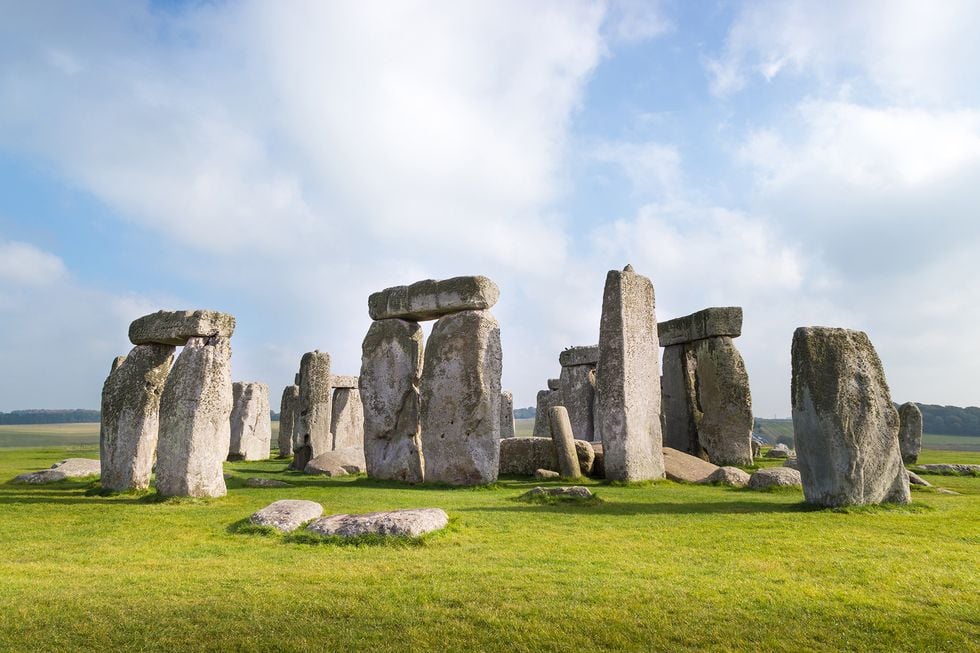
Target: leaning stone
point(724, 422)
point(338, 463)
point(60, 471)
point(251, 424)
point(845, 426)
point(507, 429)
point(523, 456)
point(952, 469)
point(564, 492)
point(398, 523)
point(915, 479)
point(732, 476)
point(288, 408)
point(347, 422)
point(628, 379)
point(391, 366)
point(577, 395)
point(195, 427)
point(430, 299)
point(461, 400)
point(266, 482)
point(583, 355)
point(554, 384)
point(774, 477)
point(910, 432)
point(342, 381)
point(708, 323)
point(561, 435)
point(546, 474)
point(177, 327)
point(545, 400)
point(315, 398)
point(680, 404)
point(287, 515)
point(685, 468)
point(131, 417)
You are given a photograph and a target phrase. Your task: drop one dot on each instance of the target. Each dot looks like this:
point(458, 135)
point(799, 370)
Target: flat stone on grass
point(287, 515)
point(771, 477)
point(398, 523)
point(266, 482)
point(949, 469)
point(685, 468)
point(66, 469)
point(731, 476)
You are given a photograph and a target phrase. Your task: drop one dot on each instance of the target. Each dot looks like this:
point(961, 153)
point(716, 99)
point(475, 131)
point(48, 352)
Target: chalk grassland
point(661, 566)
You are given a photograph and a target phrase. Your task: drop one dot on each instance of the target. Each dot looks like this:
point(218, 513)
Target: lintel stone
point(431, 299)
point(177, 327)
point(708, 323)
point(579, 356)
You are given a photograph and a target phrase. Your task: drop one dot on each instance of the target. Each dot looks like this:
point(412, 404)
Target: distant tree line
point(950, 420)
point(524, 413)
point(57, 416)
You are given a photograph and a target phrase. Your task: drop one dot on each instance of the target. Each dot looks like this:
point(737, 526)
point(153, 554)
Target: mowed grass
point(659, 566)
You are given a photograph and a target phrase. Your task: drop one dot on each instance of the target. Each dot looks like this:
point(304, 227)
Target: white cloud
point(652, 168)
point(632, 21)
point(22, 264)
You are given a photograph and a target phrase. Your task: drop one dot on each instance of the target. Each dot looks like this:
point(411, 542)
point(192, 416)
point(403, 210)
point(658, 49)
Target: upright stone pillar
point(347, 422)
point(561, 435)
point(131, 416)
point(251, 424)
point(287, 419)
point(507, 429)
point(315, 397)
point(391, 368)
point(545, 400)
point(628, 379)
point(910, 432)
point(577, 389)
point(680, 404)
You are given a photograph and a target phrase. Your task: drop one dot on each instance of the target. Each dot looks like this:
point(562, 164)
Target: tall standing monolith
point(251, 423)
point(564, 441)
point(910, 432)
point(288, 407)
point(576, 388)
point(507, 429)
point(347, 423)
point(545, 400)
point(315, 398)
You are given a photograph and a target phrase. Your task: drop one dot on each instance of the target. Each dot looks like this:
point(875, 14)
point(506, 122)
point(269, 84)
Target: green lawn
point(656, 567)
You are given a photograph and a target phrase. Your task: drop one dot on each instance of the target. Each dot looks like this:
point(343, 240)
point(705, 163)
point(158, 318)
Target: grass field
point(661, 566)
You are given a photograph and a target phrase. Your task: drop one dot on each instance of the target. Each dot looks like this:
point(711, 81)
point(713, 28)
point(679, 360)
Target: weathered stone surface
point(343, 381)
point(461, 399)
point(724, 402)
point(779, 451)
point(568, 491)
point(732, 476)
point(561, 435)
point(391, 366)
point(251, 424)
point(685, 468)
point(545, 400)
point(708, 323)
point(287, 515)
point(266, 482)
point(628, 379)
point(131, 416)
point(554, 384)
point(507, 429)
point(338, 463)
point(116, 362)
point(65, 469)
point(347, 422)
point(523, 456)
point(598, 464)
point(915, 479)
point(405, 523)
point(845, 426)
point(756, 449)
point(431, 299)
point(195, 427)
point(288, 408)
point(910, 432)
point(582, 355)
point(680, 406)
point(792, 462)
point(774, 477)
point(301, 457)
point(177, 327)
point(545, 474)
point(952, 469)
point(315, 403)
point(577, 395)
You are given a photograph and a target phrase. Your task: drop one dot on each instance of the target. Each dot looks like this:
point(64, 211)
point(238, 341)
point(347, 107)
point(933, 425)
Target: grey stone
point(301, 457)
point(251, 424)
point(391, 366)
point(561, 435)
point(680, 406)
point(507, 429)
point(951, 469)
point(756, 449)
point(523, 456)
point(266, 482)
point(347, 422)
point(774, 477)
point(195, 427)
point(545, 474)
point(910, 432)
point(577, 395)
point(779, 451)
point(60, 471)
point(569, 492)
point(915, 479)
point(724, 402)
point(554, 384)
point(343, 381)
point(582, 355)
point(116, 362)
point(732, 476)
point(845, 426)
point(315, 400)
point(461, 400)
point(430, 299)
point(399, 523)
point(338, 463)
point(708, 323)
point(685, 468)
point(628, 379)
point(288, 408)
point(131, 417)
point(792, 462)
point(177, 327)
point(287, 515)
point(942, 490)
point(545, 400)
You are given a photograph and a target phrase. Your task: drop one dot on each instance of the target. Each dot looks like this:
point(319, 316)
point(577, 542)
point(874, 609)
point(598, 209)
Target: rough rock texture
point(915, 479)
point(628, 379)
point(577, 394)
point(251, 424)
point(524, 456)
point(952, 469)
point(301, 457)
point(315, 403)
point(709, 323)
point(545, 474)
point(554, 384)
point(507, 429)
point(686, 468)
point(461, 399)
point(910, 432)
point(266, 482)
point(568, 491)
point(347, 422)
point(598, 461)
point(195, 427)
point(288, 408)
point(338, 463)
point(679, 393)
point(724, 403)
point(68, 468)
point(561, 435)
point(732, 476)
point(756, 449)
point(792, 462)
point(546, 399)
point(774, 477)
point(287, 514)
point(406, 523)
point(391, 366)
point(583, 355)
point(177, 327)
point(430, 299)
point(779, 451)
point(343, 381)
point(131, 416)
point(845, 426)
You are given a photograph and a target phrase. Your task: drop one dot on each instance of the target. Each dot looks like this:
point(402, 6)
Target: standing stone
point(195, 427)
point(251, 424)
point(561, 435)
point(347, 422)
point(680, 404)
point(391, 366)
point(724, 422)
point(288, 408)
point(845, 425)
point(507, 429)
point(461, 399)
point(628, 379)
point(577, 395)
point(315, 397)
point(545, 400)
point(910, 432)
point(131, 416)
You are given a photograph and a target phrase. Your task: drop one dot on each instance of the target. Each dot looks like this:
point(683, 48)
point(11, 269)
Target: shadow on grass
point(608, 507)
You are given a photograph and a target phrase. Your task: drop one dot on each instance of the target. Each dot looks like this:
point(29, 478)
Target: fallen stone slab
point(287, 515)
point(583, 355)
point(546, 474)
point(431, 299)
point(952, 469)
point(685, 468)
point(177, 327)
point(568, 491)
point(915, 479)
point(404, 523)
point(732, 476)
point(524, 456)
point(779, 451)
point(65, 469)
point(708, 323)
point(775, 477)
point(340, 462)
point(942, 490)
point(266, 482)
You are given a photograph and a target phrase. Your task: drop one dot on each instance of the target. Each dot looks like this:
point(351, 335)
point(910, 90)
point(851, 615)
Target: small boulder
point(792, 462)
point(775, 477)
point(685, 468)
point(779, 451)
point(546, 474)
point(407, 523)
point(568, 491)
point(915, 479)
point(266, 482)
point(287, 514)
point(732, 476)
point(340, 462)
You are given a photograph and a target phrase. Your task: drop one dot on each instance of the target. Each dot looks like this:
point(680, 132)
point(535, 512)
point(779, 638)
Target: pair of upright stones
point(706, 397)
point(575, 389)
point(432, 412)
point(180, 415)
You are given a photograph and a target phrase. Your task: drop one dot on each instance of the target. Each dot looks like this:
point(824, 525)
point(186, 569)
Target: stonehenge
point(507, 429)
point(315, 398)
point(561, 435)
point(251, 425)
point(707, 403)
point(347, 414)
point(546, 399)
point(288, 407)
point(323, 416)
point(910, 432)
point(576, 389)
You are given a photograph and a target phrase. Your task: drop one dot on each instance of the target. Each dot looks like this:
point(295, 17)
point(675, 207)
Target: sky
point(817, 163)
